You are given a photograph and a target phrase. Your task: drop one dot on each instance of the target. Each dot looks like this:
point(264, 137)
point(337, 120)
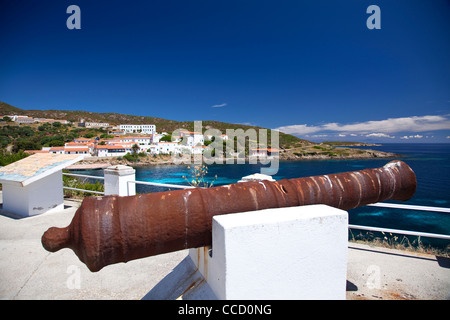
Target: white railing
point(167, 185)
point(156, 184)
point(406, 232)
point(84, 176)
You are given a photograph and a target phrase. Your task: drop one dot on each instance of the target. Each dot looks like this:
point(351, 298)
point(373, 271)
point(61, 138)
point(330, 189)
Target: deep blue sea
point(430, 162)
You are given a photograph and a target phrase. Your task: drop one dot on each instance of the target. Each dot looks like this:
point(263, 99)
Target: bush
point(131, 157)
point(74, 182)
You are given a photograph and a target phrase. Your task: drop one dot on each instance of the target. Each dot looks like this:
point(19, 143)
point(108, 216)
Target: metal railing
point(156, 184)
point(406, 232)
point(84, 176)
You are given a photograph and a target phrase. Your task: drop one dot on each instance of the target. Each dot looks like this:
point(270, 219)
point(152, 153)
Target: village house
point(264, 152)
point(193, 142)
point(192, 138)
point(84, 124)
point(114, 150)
point(51, 121)
point(138, 128)
point(164, 147)
point(89, 146)
point(24, 119)
point(69, 150)
point(30, 120)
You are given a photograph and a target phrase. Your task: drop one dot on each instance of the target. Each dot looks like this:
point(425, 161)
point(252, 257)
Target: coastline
point(91, 163)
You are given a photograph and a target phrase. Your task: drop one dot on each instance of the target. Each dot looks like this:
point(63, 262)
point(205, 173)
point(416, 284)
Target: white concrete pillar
point(282, 253)
point(116, 180)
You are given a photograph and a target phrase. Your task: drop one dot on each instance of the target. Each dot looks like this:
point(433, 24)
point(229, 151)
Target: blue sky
point(309, 68)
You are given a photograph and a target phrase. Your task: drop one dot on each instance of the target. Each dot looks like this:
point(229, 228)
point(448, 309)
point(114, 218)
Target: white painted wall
point(41, 196)
point(282, 253)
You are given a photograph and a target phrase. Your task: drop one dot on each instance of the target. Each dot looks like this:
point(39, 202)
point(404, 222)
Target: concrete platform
point(387, 274)
point(27, 271)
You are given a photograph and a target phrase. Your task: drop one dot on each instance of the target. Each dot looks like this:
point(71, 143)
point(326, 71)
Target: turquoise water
point(430, 162)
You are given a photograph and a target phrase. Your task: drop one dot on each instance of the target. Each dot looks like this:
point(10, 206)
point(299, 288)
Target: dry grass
point(392, 241)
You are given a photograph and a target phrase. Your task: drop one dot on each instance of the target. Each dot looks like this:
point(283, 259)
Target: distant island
point(58, 128)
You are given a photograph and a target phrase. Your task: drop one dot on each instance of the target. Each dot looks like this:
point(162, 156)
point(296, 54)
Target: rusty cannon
point(111, 229)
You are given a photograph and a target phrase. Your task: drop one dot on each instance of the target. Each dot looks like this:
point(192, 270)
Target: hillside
point(291, 147)
point(162, 125)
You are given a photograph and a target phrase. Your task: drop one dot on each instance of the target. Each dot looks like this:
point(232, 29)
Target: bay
point(430, 162)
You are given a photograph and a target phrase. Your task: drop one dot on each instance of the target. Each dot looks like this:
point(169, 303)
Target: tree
point(135, 148)
point(167, 138)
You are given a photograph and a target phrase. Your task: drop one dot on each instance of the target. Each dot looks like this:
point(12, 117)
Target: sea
point(430, 162)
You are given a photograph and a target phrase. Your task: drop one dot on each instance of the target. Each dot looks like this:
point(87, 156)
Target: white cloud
point(392, 125)
point(387, 127)
point(380, 135)
point(300, 129)
point(219, 105)
point(417, 136)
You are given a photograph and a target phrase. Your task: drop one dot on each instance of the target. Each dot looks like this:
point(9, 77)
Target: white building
point(108, 150)
point(70, 150)
point(264, 152)
point(84, 124)
point(192, 138)
point(138, 128)
point(134, 140)
point(24, 119)
point(164, 147)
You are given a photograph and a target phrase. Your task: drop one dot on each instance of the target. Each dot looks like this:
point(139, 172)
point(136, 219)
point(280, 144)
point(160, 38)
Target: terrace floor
point(27, 271)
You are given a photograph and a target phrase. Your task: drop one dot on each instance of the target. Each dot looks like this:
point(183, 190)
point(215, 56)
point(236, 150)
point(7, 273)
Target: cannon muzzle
point(111, 229)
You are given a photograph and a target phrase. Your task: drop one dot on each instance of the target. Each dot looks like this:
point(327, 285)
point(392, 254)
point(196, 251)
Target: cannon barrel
point(111, 229)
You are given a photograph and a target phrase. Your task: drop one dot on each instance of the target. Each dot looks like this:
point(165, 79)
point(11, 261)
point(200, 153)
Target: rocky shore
point(285, 155)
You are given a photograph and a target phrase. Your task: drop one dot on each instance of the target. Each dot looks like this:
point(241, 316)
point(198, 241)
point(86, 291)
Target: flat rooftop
point(27, 271)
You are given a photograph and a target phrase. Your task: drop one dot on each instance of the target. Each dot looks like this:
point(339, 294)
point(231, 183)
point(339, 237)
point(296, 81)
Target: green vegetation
point(79, 183)
point(16, 138)
point(134, 157)
point(166, 138)
point(7, 158)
